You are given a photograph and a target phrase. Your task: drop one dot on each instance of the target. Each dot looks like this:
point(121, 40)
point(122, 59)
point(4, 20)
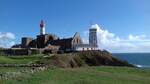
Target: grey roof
point(85, 45)
point(60, 41)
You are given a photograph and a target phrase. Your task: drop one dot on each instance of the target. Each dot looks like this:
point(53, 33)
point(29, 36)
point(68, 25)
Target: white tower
point(42, 27)
point(93, 36)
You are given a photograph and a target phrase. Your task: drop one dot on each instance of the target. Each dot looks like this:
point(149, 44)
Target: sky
point(123, 25)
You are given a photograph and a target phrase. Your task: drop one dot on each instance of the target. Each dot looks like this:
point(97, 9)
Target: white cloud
point(136, 38)
point(7, 39)
point(113, 43)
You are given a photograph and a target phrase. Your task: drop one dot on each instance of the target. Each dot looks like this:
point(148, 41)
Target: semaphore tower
point(93, 36)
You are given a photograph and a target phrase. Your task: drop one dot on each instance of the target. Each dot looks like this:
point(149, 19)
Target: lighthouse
point(42, 28)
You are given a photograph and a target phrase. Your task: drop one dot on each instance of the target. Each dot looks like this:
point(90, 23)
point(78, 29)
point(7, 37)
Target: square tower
point(93, 37)
point(26, 42)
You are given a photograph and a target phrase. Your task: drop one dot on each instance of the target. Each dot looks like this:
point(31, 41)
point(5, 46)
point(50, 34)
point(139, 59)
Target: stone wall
point(42, 40)
point(26, 42)
point(21, 51)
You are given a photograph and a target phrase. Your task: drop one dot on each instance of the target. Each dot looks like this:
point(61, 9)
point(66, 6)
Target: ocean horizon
point(141, 60)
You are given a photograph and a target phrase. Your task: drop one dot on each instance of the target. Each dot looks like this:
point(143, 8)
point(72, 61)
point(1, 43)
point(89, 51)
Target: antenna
point(91, 22)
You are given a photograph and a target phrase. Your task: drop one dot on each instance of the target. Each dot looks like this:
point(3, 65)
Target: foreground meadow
point(72, 68)
point(83, 75)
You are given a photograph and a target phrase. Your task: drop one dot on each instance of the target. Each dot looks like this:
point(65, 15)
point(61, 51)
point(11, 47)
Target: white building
point(92, 41)
point(85, 47)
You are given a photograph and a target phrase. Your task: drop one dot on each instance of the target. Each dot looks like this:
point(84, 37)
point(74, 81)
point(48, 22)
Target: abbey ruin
point(49, 43)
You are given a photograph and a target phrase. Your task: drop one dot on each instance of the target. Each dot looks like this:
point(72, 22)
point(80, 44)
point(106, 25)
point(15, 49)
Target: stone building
point(42, 40)
point(92, 41)
point(93, 36)
point(67, 44)
point(50, 42)
point(26, 42)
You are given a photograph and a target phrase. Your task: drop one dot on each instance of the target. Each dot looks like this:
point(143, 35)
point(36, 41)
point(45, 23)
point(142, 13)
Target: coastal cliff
point(84, 58)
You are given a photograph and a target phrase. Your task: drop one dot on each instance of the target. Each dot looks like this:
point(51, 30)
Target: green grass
point(82, 75)
point(86, 75)
point(19, 59)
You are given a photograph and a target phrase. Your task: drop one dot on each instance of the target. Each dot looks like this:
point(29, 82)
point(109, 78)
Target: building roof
point(85, 45)
point(57, 42)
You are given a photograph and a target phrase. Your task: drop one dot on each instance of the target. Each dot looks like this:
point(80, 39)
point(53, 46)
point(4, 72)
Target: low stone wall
point(26, 51)
point(18, 74)
point(22, 65)
point(21, 51)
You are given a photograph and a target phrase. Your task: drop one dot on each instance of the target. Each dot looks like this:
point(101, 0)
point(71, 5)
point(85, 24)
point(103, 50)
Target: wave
point(142, 66)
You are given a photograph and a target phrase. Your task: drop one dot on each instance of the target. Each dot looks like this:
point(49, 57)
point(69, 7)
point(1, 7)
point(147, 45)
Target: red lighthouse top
point(42, 24)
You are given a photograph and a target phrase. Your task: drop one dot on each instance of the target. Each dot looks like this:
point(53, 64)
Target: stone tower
point(93, 36)
point(42, 28)
point(26, 41)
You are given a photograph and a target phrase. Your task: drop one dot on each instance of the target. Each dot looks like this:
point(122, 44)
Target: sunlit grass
point(87, 75)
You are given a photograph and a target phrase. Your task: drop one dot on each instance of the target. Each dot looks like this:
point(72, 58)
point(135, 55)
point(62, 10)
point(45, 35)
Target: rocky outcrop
point(84, 58)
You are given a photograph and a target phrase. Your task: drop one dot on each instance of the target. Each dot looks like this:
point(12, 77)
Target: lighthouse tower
point(42, 28)
point(93, 36)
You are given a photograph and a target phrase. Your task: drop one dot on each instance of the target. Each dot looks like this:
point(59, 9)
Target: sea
point(141, 60)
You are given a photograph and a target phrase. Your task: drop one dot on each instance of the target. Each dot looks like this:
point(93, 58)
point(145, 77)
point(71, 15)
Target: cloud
point(113, 43)
point(136, 38)
point(7, 39)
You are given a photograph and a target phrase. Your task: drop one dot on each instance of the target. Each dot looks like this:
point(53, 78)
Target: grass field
point(85, 75)
point(19, 59)
point(81, 74)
